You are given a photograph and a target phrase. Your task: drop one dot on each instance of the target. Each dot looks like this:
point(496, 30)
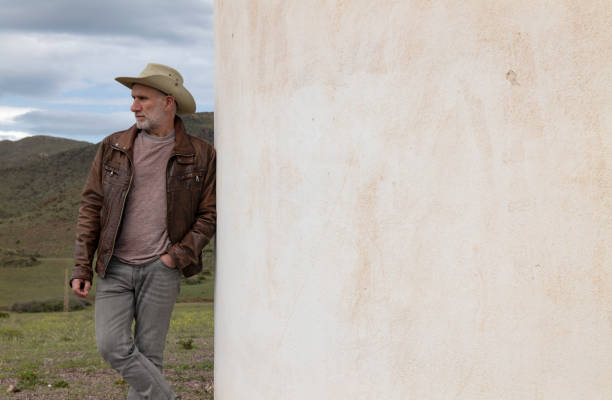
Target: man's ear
point(170, 103)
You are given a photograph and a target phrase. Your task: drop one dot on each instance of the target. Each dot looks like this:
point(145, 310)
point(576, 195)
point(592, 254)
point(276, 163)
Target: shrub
point(50, 305)
point(4, 314)
point(28, 378)
point(187, 344)
point(17, 258)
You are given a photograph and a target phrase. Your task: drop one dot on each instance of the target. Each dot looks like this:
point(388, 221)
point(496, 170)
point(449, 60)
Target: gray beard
point(145, 125)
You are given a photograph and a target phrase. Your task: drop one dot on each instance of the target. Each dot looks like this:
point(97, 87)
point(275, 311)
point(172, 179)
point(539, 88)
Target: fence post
point(66, 299)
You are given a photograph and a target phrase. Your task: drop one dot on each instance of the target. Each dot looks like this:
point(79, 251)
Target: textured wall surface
point(415, 199)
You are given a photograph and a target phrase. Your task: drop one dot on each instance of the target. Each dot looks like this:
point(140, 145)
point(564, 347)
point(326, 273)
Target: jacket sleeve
point(188, 250)
point(88, 223)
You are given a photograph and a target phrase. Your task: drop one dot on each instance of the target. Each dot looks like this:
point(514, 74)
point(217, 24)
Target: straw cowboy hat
point(167, 80)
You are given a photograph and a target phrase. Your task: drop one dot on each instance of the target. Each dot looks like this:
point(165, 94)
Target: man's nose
point(135, 106)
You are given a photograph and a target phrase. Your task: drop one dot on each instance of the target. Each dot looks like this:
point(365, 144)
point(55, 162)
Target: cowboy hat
point(164, 79)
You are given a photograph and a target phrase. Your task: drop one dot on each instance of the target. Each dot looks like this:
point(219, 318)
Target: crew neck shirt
point(143, 236)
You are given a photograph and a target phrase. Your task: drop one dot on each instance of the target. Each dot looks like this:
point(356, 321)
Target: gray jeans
point(144, 294)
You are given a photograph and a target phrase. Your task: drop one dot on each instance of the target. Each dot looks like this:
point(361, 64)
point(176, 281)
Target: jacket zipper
point(167, 195)
point(124, 195)
point(174, 155)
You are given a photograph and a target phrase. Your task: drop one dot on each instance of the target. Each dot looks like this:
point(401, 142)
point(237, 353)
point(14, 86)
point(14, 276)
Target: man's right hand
point(76, 287)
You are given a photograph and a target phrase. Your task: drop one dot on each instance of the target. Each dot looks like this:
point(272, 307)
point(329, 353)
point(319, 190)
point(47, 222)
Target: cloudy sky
point(59, 59)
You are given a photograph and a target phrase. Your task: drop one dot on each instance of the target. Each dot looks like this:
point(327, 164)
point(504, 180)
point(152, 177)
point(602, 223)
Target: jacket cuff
point(81, 273)
point(177, 255)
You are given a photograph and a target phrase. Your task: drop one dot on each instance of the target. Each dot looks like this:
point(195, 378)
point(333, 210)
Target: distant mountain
point(201, 125)
point(34, 148)
point(40, 194)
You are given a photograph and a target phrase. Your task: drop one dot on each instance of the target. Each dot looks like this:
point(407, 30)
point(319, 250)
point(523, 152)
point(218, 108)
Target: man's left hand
point(168, 260)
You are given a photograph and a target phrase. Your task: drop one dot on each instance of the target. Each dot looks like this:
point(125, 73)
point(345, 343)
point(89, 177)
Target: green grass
point(42, 281)
point(204, 290)
point(46, 280)
point(57, 349)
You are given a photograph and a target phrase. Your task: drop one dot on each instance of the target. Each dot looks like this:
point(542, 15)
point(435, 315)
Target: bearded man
point(148, 208)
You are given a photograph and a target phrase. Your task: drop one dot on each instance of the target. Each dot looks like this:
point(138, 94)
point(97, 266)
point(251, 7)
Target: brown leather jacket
point(190, 188)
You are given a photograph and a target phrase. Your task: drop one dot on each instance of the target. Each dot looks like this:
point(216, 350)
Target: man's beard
point(146, 124)
point(151, 121)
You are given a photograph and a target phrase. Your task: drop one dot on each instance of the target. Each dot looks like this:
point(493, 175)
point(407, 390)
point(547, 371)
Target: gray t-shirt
point(144, 233)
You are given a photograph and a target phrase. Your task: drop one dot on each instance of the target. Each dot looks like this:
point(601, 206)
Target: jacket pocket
point(111, 176)
point(187, 181)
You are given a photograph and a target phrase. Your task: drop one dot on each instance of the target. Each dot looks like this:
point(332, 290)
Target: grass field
point(46, 280)
point(53, 356)
point(59, 349)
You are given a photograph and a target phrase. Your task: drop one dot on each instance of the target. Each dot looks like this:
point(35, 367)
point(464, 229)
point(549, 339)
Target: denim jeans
point(144, 294)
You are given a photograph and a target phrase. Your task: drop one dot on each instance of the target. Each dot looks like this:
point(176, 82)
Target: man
point(148, 209)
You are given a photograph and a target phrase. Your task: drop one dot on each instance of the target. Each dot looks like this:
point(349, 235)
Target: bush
point(28, 378)
point(186, 344)
point(17, 258)
point(49, 305)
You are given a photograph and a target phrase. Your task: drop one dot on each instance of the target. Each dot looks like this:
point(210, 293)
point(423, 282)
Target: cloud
point(13, 135)
point(8, 114)
point(76, 125)
point(184, 20)
point(124, 102)
point(53, 47)
point(34, 70)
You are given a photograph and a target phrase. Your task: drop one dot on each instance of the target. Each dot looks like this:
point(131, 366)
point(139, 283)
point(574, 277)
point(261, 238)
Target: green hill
point(34, 148)
point(39, 198)
point(200, 125)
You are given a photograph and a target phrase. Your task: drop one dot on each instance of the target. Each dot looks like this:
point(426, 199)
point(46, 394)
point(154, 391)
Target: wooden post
point(66, 298)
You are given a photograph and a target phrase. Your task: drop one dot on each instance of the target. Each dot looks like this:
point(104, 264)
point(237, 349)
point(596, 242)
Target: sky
point(59, 60)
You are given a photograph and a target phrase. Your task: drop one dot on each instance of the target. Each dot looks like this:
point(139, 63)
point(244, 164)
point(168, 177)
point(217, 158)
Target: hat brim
point(185, 104)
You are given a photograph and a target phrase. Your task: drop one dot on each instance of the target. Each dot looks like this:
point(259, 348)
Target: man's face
point(148, 107)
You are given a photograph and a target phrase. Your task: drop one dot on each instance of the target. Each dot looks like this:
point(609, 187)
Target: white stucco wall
point(414, 199)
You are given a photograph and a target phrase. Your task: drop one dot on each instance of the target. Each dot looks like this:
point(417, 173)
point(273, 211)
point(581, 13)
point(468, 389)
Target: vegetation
point(34, 148)
point(17, 258)
point(200, 125)
point(49, 305)
point(47, 279)
point(54, 356)
point(42, 281)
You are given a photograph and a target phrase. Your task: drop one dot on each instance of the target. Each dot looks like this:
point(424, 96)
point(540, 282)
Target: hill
point(40, 197)
point(34, 148)
point(201, 125)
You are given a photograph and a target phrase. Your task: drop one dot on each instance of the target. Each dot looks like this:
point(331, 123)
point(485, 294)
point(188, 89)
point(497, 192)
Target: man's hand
point(168, 260)
point(81, 287)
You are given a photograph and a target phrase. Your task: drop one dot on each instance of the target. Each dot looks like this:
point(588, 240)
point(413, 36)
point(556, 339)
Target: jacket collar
point(182, 144)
